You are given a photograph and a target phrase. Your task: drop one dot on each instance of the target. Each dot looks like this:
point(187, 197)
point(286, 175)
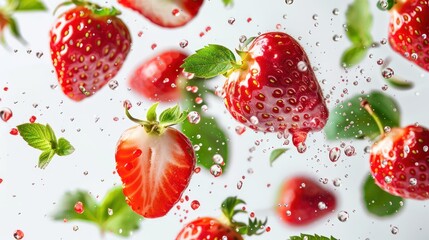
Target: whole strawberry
point(155, 162)
point(303, 201)
point(158, 79)
point(205, 228)
point(400, 162)
point(272, 89)
point(409, 30)
point(165, 13)
point(88, 47)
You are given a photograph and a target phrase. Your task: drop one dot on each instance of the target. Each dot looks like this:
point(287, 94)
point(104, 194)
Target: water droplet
point(216, 170)
point(39, 54)
point(32, 119)
point(153, 46)
point(383, 41)
point(195, 204)
point(110, 211)
point(288, 213)
point(301, 147)
point(218, 159)
point(425, 148)
point(113, 84)
point(394, 230)
point(413, 181)
point(254, 120)
point(343, 216)
point(349, 151)
point(387, 129)
point(322, 206)
point(75, 228)
point(239, 185)
point(336, 11)
point(388, 73)
point(183, 43)
point(315, 16)
point(414, 56)
point(240, 129)
point(337, 182)
point(334, 154)
point(5, 114)
point(383, 4)
point(78, 208)
point(231, 21)
point(18, 234)
point(175, 12)
point(336, 37)
point(388, 179)
point(289, 2)
point(84, 91)
point(127, 104)
point(302, 66)
point(109, 21)
point(242, 38)
point(194, 117)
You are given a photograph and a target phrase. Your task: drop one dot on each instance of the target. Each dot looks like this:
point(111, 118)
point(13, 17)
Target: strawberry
point(303, 201)
point(7, 16)
point(272, 89)
point(155, 162)
point(158, 78)
point(409, 31)
point(400, 162)
point(165, 13)
point(88, 47)
point(205, 228)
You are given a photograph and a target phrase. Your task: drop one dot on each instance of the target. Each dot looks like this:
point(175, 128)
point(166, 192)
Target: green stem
point(365, 104)
point(136, 120)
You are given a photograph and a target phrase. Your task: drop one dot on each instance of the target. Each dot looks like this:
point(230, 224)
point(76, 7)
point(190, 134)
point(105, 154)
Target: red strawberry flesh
point(207, 228)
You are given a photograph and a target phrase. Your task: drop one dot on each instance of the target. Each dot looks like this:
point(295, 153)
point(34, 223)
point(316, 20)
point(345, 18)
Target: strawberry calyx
point(230, 210)
point(157, 125)
point(95, 8)
point(365, 104)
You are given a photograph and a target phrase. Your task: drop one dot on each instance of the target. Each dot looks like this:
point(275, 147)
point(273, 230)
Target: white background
point(28, 194)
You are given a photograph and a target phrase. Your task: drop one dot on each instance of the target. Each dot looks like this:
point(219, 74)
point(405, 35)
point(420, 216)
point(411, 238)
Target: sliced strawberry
point(165, 13)
point(158, 79)
point(155, 163)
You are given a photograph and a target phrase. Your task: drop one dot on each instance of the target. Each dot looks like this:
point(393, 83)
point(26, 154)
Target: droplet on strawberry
point(271, 89)
point(399, 162)
point(88, 47)
point(303, 201)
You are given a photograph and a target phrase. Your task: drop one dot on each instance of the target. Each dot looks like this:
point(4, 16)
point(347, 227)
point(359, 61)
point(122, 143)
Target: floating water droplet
point(302, 66)
point(336, 11)
point(231, 21)
point(301, 147)
point(240, 129)
point(414, 56)
point(127, 104)
point(349, 151)
point(75, 228)
point(388, 73)
point(78, 208)
point(183, 43)
point(337, 182)
point(242, 38)
point(5, 114)
point(216, 170)
point(113, 84)
point(18, 234)
point(239, 185)
point(315, 16)
point(394, 230)
point(322, 206)
point(383, 41)
point(288, 2)
point(336, 37)
point(194, 117)
point(254, 120)
point(195, 204)
point(343, 216)
point(383, 4)
point(334, 154)
point(39, 54)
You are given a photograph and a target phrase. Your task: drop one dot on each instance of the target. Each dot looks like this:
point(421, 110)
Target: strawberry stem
point(95, 8)
point(365, 104)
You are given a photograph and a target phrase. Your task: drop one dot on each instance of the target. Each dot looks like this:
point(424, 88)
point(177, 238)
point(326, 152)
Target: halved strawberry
point(88, 44)
point(165, 13)
point(155, 162)
point(158, 79)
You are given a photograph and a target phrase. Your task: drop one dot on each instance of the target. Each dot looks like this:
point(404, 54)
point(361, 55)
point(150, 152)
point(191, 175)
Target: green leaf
point(15, 30)
point(45, 158)
point(379, 202)
point(65, 210)
point(353, 56)
point(29, 5)
point(115, 214)
point(276, 153)
point(169, 115)
point(64, 147)
point(212, 139)
point(229, 205)
point(38, 136)
point(311, 237)
point(348, 120)
point(359, 23)
point(151, 113)
point(227, 2)
point(399, 83)
point(210, 61)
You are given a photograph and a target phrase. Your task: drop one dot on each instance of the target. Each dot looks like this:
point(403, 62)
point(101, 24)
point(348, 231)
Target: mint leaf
point(399, 83)
point(353, 55)
point(169, 115)
point(359, 22)
point(211, 138)
point(28, 5)
point(348, 120)
point(311, 237)
point(379, 202)
point(64, 147)
point(151, 113)
point(45, 158)
point(276, 153)
point(227, 2)
point(210, 61)
point(112, 215)
point(38, 136)
point(115, 214)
